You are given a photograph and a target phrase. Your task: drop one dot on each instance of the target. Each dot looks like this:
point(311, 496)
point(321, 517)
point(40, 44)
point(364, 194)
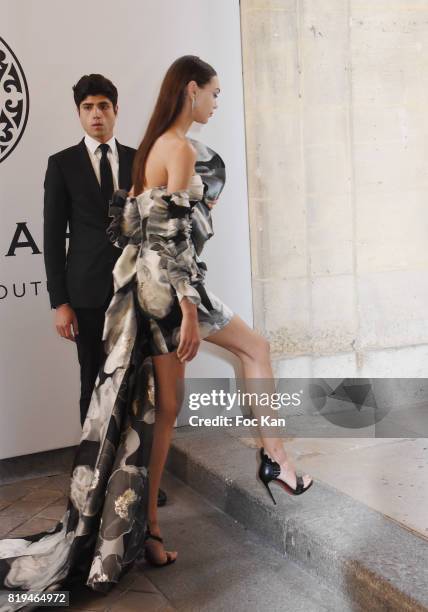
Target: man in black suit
point(79, 183)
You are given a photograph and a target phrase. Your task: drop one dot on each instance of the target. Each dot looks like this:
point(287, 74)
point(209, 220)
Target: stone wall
point(336, 104)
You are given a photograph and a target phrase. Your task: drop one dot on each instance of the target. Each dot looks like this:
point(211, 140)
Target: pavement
point(355, 541)
point(221, 565)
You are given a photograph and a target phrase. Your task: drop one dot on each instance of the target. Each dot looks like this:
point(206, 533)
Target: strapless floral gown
point(101, 532)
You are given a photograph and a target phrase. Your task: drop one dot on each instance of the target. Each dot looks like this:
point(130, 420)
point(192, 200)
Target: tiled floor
point(30, 506)
point(33, 505)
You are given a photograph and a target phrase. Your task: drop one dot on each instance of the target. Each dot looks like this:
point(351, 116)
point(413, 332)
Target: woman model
point(166, 158)
point(156, 320)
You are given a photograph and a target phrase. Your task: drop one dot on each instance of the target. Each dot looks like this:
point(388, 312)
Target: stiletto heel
point(270, 470)
point(270, 492)
point(150, 557)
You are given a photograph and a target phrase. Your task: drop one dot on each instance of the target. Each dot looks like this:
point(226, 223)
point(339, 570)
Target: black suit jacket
point(81, 276)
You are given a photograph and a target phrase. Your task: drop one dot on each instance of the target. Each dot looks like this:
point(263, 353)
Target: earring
point(193, 103)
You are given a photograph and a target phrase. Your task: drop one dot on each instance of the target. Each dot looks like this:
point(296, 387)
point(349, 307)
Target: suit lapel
point(89, 175)
point(124, 168)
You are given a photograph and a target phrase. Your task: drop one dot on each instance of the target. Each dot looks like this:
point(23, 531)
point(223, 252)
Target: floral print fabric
point(101, 532)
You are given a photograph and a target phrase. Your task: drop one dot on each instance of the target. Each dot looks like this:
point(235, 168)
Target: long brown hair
point(168, 106)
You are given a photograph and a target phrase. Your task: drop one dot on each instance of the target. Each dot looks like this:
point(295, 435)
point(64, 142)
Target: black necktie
point(106, 175)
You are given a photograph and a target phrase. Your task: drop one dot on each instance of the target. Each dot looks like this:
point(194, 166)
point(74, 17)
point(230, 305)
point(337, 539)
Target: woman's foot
point(288, 470)
point(288, 475)
point(155, 549)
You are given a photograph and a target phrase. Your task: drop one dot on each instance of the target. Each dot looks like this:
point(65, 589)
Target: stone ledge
point(367, 558)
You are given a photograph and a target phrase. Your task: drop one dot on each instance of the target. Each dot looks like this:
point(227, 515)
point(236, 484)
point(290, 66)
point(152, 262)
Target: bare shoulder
point(188, 149)
point(180, 162)
point(178, 148)
point(180, 153)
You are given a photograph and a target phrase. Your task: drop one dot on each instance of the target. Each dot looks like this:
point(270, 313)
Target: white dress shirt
point(95, 155)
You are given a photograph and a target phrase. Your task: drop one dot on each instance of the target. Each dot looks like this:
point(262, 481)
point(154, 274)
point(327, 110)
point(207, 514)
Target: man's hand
point(66, 322)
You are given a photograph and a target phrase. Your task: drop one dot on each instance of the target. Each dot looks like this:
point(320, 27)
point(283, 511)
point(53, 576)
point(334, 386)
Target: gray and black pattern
point(14, 100)
point(101, 532)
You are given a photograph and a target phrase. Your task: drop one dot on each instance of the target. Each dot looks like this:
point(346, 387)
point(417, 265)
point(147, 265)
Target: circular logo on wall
point(14, 101)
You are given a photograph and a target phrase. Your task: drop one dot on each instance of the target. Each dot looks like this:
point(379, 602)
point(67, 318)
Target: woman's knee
point(259, 349)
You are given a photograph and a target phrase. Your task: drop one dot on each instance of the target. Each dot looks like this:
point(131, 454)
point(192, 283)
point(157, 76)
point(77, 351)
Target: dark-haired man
point(78, 185)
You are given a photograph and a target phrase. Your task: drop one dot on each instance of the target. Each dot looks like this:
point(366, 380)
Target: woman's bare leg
point(254, 352)
point(169, 371)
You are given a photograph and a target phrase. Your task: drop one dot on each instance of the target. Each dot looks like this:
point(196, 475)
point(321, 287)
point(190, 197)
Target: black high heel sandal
point(270, 470)
point(150, 557)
